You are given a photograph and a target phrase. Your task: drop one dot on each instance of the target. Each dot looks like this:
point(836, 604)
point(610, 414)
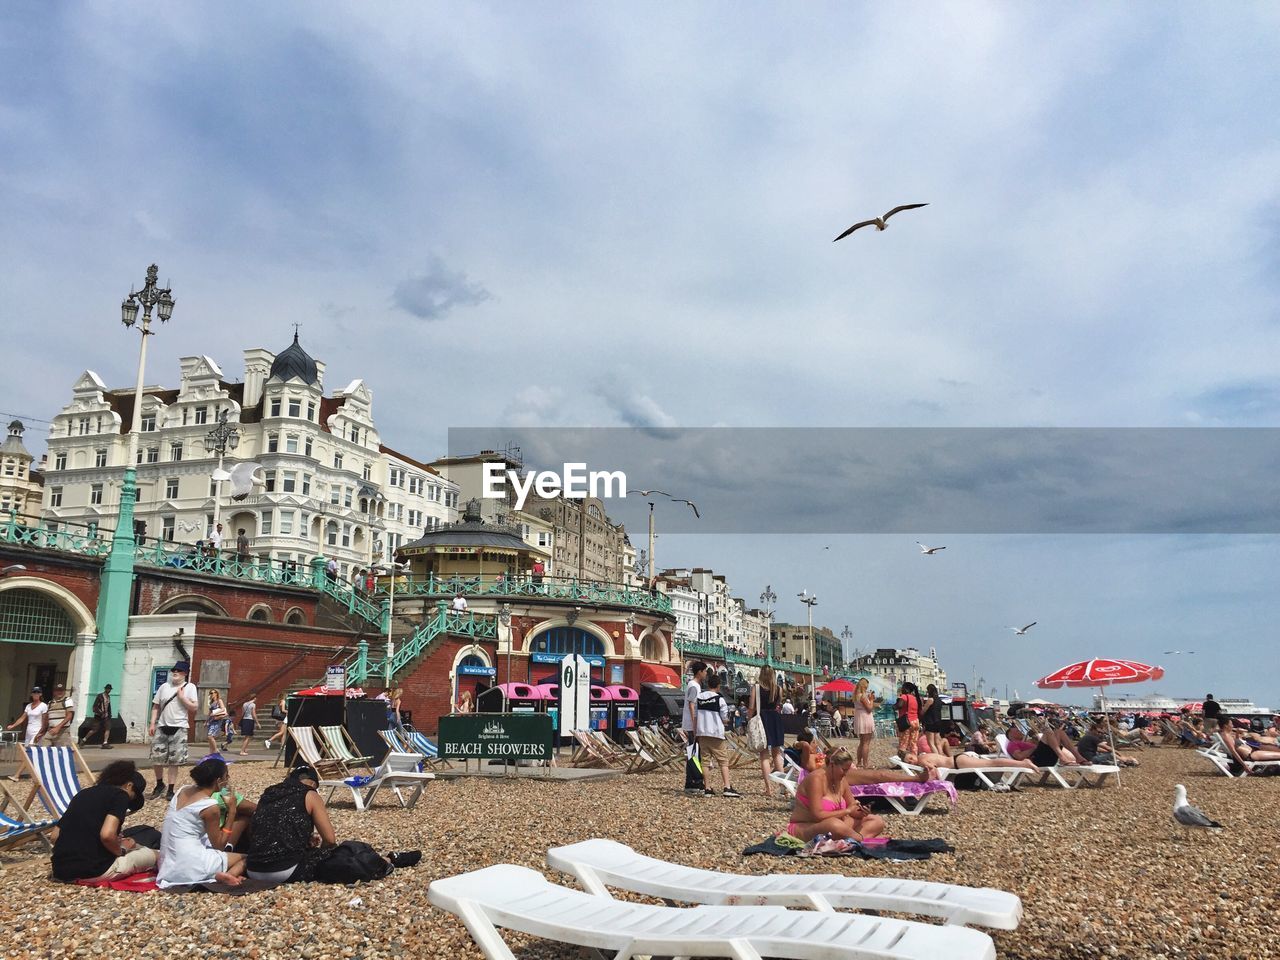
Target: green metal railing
point(374, 614)
point(158, 553)
point(696, 648)
point(86, 540)
point(444, 622)
point(550, 588)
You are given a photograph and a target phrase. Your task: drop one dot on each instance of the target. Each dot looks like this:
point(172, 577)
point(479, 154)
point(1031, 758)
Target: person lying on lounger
point(1054, 748)
point(965, 761)
point(1095, 747)
point(825, 804)
point(1242, 751)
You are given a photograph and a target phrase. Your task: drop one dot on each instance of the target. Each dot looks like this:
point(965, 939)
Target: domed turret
point(294, 362)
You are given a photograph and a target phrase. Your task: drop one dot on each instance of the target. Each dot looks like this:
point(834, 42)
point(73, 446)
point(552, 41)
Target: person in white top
point(171, 709)
point(62, 713)
point(459, 604)
point(215, 538)
point(712, 711)
point(788, 707)
point(193, 836)
point(688, 717)
point(36, 716)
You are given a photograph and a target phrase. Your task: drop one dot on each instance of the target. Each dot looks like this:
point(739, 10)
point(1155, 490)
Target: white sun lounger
point(1070, 777)
point(397, 770)
point(1005, 777)
point(1217, 755)
point(601, 863)
point(910, 806)
point(521, 899)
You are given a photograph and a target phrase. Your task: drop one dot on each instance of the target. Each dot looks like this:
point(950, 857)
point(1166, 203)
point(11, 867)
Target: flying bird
point(880, 222)
point(1021, 631)
point(1176, 653)
point(1187, 815)
point(928, 551)
point(691, 505)
point(645, 493)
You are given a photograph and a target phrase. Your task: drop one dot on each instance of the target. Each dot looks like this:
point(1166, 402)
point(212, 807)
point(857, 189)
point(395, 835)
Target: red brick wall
point(259, 651)
point(80, 575)
point(237, 598)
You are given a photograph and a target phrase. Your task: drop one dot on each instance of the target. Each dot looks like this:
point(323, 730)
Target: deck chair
point(589, 753)
point(416, 742)
point(55, 776)
point(21, 826)
point(397, 770)
point(599, 864)
point(1005, 777)
point(309, 752)
point(660, 747)
point(523, 900)
point(642, 761)
point(1067, 777)
point(340, 746)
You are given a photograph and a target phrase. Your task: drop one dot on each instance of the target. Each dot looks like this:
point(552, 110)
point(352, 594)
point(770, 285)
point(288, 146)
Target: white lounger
point(1006, 777)
point(521, 899)
point(1217, 755)
point(599, 864)
point(396, 770)
point(1070, 777)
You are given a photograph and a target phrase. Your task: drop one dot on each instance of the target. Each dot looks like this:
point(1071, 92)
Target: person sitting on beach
point(89, 845)
point(1096, 748)
point(291, 830)
point(1241, 750)
point(194, 843)
point(825, 804)
point(802, 753)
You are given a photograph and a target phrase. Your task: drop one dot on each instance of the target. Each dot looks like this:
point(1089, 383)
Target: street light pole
point(810, 600)
point(116, 584)
point(504, 618)
point(219, 440)
point(393, 568)
point(768, 598)
point(845, 636)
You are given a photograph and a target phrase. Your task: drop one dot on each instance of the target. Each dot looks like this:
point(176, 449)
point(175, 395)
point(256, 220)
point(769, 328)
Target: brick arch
point(259, 611)
point(82, 619)
point(296, 616)
point(610, 649)
point(203, 603)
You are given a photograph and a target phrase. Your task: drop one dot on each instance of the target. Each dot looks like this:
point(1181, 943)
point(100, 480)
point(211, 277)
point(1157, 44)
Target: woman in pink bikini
point(825, 804)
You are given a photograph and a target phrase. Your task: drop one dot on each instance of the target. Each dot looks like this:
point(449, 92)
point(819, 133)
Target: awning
point(655, 673)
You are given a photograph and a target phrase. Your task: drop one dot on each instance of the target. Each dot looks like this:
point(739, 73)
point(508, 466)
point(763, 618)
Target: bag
point(143, 835)
point(903, 724)
point(169, 731)
point(277, 713)
point(352, 861)
point(757, 739)
point(693, 779)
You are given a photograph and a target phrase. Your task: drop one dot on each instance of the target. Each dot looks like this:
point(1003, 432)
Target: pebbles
point(1102, 872)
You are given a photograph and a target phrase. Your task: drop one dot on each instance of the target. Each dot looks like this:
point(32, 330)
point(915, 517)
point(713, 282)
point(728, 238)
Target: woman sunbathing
point(826, 804)
point(1055, 747)
point(966, 761)
point(1242, 752)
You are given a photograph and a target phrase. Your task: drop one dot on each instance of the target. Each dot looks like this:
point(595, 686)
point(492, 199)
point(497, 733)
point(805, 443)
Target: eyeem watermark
point(574, 482)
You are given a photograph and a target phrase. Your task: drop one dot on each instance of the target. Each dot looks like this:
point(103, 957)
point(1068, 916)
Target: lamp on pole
point(767, 599)
point(810, 600)
point(219, 440)
point(845, 636)
point(392, 567)
point(116, 584)
point(504, 618)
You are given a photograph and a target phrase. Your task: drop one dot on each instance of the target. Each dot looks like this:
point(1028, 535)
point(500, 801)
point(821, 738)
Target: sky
point(591, 215)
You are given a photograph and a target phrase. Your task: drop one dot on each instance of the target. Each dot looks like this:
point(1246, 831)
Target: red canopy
point(1101, 672)
point(656, 673)
point(837, 686)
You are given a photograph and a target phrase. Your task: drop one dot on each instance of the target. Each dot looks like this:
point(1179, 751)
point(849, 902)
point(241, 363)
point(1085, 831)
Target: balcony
point(548, 588)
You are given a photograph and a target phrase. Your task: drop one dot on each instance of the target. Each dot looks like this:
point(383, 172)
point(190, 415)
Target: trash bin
point(511, 697)
point(601, 706)
point(623, 712)
point(550, 693)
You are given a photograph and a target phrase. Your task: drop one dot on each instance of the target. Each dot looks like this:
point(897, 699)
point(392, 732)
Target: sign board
point(616, 674)
point(471, 670)
point(575, 695)
point(335, 677)
point(592, 658)
point(496, 736)
point(159, 677)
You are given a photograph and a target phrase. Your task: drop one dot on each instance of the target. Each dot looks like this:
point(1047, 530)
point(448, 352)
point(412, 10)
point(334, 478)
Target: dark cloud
point(432, 293)
point(1245, 401)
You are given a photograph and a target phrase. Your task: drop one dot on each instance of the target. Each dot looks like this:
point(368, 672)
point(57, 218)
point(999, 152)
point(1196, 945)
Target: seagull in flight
point(1022, 631)
point(1176, 653)
point(880, 222)
point(928, 551)
point(1187, 815)
point(689, 503)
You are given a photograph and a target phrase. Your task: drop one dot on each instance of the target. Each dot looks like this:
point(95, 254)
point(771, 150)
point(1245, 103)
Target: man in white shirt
point(711, 712)
point(62, 711)
point(215, 538)
point(171, 709)
point(459, 604)
point(788, 706)
point(689, 717)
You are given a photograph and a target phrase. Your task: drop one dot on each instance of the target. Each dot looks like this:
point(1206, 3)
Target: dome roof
point(294, 362)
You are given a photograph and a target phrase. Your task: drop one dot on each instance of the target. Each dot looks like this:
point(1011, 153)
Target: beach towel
point(143, 882)
point(872, 850)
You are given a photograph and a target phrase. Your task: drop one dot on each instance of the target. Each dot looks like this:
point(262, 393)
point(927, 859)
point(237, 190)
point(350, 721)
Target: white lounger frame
point(1067, 776)
point(1004, 776)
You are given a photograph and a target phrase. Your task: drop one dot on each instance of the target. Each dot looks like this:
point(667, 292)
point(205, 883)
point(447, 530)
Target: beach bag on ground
point(693, 769)
point(757, 740)
point(352, 861)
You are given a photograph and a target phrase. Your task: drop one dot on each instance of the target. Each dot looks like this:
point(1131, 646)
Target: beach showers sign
point(496, 736)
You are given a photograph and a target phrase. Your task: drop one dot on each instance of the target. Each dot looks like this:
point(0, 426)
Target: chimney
point(257, 365)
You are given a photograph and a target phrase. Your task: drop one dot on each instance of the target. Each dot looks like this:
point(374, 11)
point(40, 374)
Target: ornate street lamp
point(219, 440)
point(810, 600)
point(504, 618)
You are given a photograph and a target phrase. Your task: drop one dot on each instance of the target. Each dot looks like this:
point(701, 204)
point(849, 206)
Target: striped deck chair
point(340, 746)
point(309, 752)
point(587, 753)
point(417, 742)
point(21, 826)
point(659, 747)
point(55, 775)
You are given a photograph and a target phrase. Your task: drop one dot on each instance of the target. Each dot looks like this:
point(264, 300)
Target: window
point(99, 458)
point(311, 410)
point(60, 461)
point(286, 523)
point(185, 414)
point(202, 414)
point(290, 484)
point(153, 454)
point(270, 476)
point(166, 528)
point(451, 498)
point(171, 488)
point(273, 442)
point(291, 443)
point(331, 533)
point(346, 496)
point(346, 534)
point(337, 461)
point(395, 477)
point(295, 408)
point(335, 494)
point(303, 527)
point(397, 511)
point(415, 518)
point(355, 434)
point(416, 484)
point(55, 496)
point(367, 471)
point(275, 406)
point(307, 447)
point(433, 493)
point(566, 640)
point(306, 484)
point(264, 527)
point(544, 538)
point(175, 452)
point(84, 426)
point(213, 487)
point(95, 494)
point(148, 423)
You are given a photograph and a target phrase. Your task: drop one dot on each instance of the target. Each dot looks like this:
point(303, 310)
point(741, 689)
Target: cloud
point(1245, 401)
point(633, 407)
point(432, 293)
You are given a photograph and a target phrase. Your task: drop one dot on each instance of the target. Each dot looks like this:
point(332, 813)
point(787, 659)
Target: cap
point(139, 798)
point(214, 756)
point(182, 666)
point(106, 686)
point(37, 689)
point(304, 772)
point(59, 686)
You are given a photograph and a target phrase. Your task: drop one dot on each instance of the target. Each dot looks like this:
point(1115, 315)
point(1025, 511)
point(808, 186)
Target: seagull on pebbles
point(928, 551)
point(1187, 815)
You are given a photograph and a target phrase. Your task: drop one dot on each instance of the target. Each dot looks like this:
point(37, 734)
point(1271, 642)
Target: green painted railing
point(374, 614)
point(158, 553)
point(72, 538)
point(697, 648)
point(551, 588)
point(361, 668)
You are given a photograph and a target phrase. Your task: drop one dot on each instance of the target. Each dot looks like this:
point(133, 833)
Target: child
point(712, 711)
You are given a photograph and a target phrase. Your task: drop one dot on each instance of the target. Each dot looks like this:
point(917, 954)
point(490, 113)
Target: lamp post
point(393, 568)
point(504, 618)
point(810, 600)
point(845, 636)
point(219, 440)
point(116, 587)
point(767, 599)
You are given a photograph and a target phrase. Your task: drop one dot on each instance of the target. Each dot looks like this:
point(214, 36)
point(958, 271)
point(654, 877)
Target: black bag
point(143, 835)
point(169, 731)
point(693, 779)
point(352, 861)
point(903, 724)
point(277, 713)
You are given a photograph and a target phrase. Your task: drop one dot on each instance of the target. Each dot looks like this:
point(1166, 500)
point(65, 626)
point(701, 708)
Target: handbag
point(757, 739)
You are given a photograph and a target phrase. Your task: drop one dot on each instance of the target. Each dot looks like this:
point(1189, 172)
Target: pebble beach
point(1102, 872)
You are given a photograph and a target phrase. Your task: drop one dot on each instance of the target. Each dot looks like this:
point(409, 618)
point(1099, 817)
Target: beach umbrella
point(837, 686)
point(1101, 672)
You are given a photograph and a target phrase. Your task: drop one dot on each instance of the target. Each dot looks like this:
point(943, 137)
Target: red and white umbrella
point(1102, 672)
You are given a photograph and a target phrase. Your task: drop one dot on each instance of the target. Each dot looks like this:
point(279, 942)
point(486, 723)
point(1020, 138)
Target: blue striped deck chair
point(395, 743)
point(55, 773)
point(21, 826)
point(420, 743)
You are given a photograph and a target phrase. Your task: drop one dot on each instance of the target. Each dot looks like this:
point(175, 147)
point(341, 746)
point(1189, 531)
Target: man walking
point(62, 711)
point(101, 718)
point(171, 709)
point(242, 546)
point(1212, 711)
point(693, 778)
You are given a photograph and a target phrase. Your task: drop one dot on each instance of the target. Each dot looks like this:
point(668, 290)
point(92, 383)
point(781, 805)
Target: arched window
point(260, 613)
point(471, 660)
point(567, 640)
point(30, 616)
point(652, 648)
point(296, 618)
